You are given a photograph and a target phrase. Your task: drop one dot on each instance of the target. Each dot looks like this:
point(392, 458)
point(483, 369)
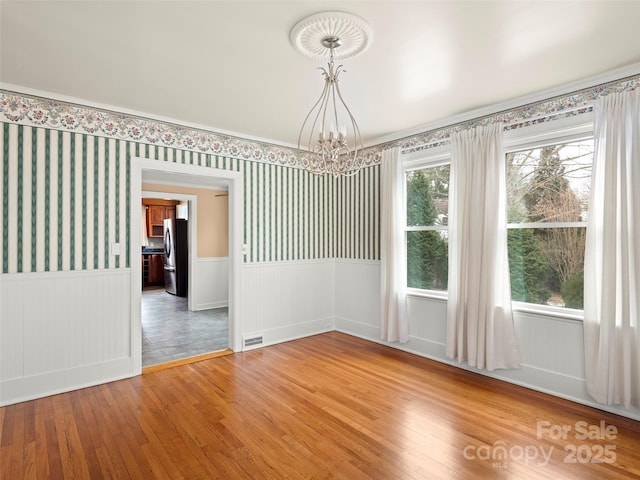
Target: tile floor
point(171, 332)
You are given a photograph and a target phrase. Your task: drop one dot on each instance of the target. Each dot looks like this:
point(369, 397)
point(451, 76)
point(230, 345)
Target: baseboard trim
point(287, 333)
point(51, 383)
point(211, 305)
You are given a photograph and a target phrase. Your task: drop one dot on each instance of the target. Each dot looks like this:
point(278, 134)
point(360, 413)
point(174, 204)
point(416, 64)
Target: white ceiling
point(229, 65)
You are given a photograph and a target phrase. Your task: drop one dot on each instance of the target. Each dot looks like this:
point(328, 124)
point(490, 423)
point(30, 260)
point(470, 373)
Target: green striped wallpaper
point(293, 215)
point(65, 199)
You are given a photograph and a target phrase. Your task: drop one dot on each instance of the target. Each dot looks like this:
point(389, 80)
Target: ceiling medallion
point(354, 32)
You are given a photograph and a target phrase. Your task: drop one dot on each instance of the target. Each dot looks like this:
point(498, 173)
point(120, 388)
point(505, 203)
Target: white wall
point(551, 349)
point(211, 284)
point(287, 300)
point(63, 330)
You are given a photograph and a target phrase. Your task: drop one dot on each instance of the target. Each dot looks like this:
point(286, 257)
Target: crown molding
point(79, 102)
point(532, 98)
point(540, 107)
point(26, 106)
point(41, 110)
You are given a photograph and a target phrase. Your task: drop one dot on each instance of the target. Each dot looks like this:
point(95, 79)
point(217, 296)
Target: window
point(427, 192)
point(547, 204)
point(548, 181)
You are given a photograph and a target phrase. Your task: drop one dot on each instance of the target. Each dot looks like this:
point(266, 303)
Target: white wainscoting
point(551, 349)
point(287, 300)
point(60, 331)
point(211, 283)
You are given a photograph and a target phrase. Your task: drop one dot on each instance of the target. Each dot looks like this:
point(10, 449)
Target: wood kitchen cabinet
point(152, 269)
point(156, 270)
point(156, 214)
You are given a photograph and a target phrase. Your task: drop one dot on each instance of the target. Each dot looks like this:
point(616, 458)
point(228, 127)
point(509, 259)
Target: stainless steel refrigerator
point(175, 256)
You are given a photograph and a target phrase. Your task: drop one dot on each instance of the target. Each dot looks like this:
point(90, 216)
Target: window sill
point(431, 294)
point(559, 313)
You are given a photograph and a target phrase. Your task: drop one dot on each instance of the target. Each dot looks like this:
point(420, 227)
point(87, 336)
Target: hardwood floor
point(328, 406)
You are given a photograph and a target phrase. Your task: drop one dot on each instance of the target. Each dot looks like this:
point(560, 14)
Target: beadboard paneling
point(60, 322)
point(286, 300)
point(211, 285)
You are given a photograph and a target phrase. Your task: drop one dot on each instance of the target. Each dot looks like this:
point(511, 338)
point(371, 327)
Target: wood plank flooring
point(328, 406)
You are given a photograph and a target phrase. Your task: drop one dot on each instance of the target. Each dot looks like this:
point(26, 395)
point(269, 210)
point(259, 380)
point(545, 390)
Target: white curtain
point(612, 254)
point(480, 327)
point(393, 309)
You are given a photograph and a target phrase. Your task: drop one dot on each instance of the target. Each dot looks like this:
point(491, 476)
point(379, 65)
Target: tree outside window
point(547, 205)
point(427, 220)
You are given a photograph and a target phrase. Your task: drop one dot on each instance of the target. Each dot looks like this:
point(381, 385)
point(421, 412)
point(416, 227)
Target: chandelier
point(330, 135)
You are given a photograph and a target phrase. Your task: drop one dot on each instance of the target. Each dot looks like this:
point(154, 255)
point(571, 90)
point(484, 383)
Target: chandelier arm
point(322, 95)
point(322, 101)
point(335, 107)
point(325, 104)
point(356, 130)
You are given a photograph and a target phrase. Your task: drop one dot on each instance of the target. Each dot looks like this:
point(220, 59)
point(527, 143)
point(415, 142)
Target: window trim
point(563, 313)
point(566, 130)
point(422, 159)
point(432, 157)
point(430, 294)
point(515, 226)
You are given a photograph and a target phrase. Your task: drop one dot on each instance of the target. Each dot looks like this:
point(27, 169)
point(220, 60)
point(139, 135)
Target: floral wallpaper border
point(36, 111)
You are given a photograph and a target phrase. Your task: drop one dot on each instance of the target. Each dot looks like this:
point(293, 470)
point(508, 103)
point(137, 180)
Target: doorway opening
point(172, 333)
point(179, 320)
point(169, 327)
